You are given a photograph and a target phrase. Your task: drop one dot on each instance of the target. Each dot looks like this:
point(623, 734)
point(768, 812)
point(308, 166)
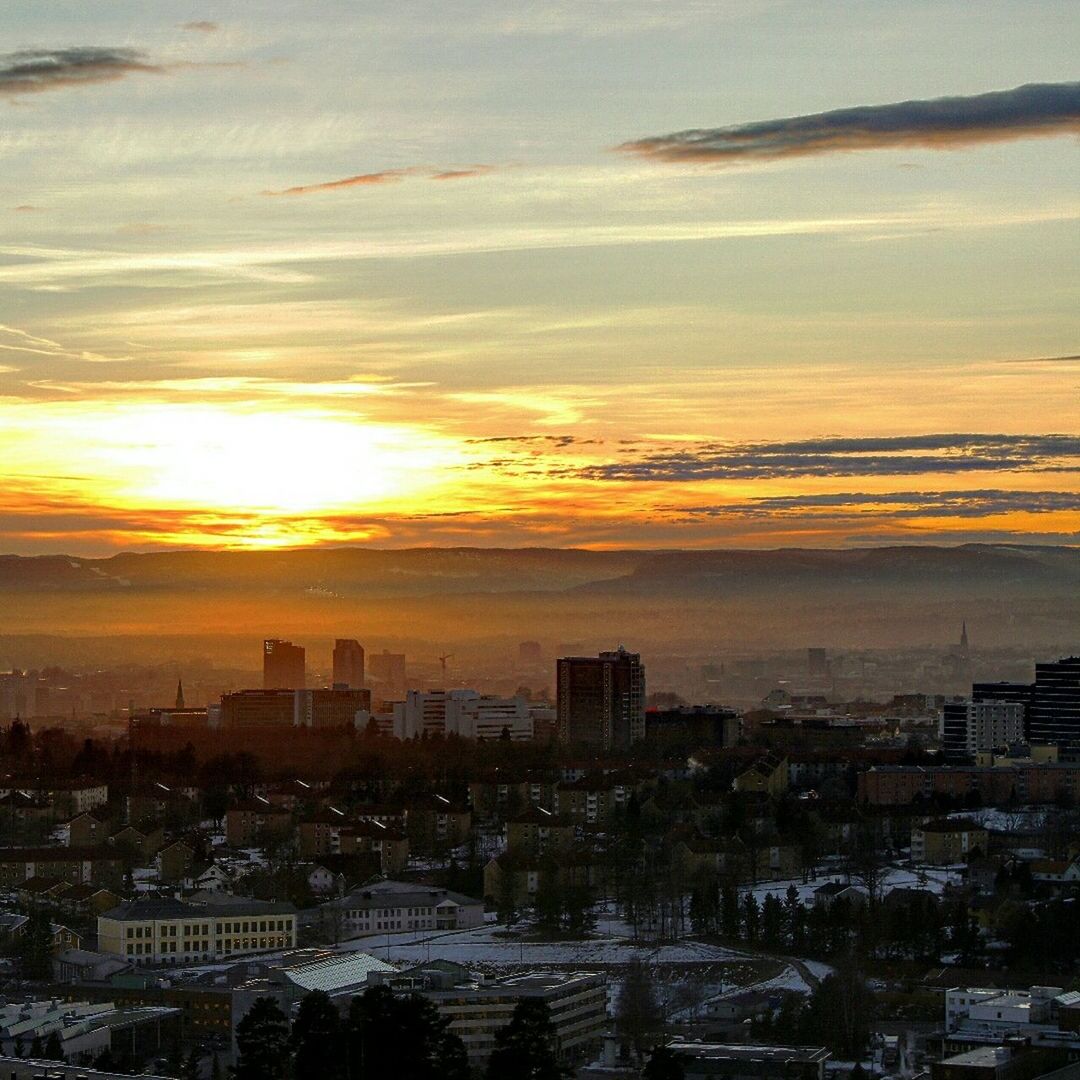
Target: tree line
point(386, 1035)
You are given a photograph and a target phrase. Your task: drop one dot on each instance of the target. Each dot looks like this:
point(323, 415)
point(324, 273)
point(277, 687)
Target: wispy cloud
point(895, 456)
point(387, 176)
point(1035, 110)
point(33, 71)
point(200, 26)
point(464, 173)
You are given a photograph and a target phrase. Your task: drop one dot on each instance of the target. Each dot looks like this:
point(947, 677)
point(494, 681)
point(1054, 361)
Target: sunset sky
point(666, 273)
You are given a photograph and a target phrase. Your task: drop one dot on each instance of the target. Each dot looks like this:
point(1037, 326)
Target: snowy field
point(931, 878)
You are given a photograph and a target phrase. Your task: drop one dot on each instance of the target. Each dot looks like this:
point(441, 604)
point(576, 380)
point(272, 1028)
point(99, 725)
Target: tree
point(35, 945)
point(262, 1041)
point(404, 1038)
point(525, 1047)
point(54, 1049)
point(638, 1016)
point(549, 898)
point(664, 1064)
point(317, 1039)
point(506, 901)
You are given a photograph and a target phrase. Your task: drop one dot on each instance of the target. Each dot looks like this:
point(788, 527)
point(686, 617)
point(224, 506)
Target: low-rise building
point(250, 821)
point(947, 840)
point(164, 931)
point(477, 1008)
point(701, 1060)
point(394, 906)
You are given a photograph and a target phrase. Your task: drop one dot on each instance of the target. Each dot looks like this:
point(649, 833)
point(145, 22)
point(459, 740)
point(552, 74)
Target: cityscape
point(539, 540)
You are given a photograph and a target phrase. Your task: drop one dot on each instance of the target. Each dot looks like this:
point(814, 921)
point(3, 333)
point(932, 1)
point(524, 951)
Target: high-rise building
point(817, 663)
point(971, 726)
point(389, 670)
point(283, 665)
point(348, 663)
point(530, 653)
point(1054, 716)
point(601, 699)
point(995, 715)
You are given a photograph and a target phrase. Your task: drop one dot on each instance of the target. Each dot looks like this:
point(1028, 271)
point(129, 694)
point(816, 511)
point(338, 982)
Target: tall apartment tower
point(283, 665)
point(348, 664)
point(1054, 715)
point(601, 699)
point(996, 714)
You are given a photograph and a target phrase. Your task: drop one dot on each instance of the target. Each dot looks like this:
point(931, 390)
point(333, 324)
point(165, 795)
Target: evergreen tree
point(772, 921)
point(401, 1038)
point(262, 1041)
point(579, 915)
point(751, 917)
point(549, 898)
point(35, 945)
point(506, 901)
point(729, 912)
point(664, 1064)
point(525, 1047)
point(638, 1016)
point(54, 1048)
point(317, 1040)
point(37, 1048)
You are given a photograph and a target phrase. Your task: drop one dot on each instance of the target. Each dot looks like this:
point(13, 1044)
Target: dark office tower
point(601, 699)
point(529, 653)
point(348, 664)
point(283, 665)
point(1054, 715)
point(817, 663)
point(389, 670)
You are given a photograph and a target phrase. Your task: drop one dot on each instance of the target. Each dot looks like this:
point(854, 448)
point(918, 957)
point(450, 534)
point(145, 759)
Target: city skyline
point(604, 274)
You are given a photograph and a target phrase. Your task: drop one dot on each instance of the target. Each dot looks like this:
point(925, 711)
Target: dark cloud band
point(977, 503)
point(891, 456)
point(1038, 109)
point(37, 71)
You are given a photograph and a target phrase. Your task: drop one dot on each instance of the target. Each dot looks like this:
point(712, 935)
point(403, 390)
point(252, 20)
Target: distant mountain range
point(357, 572)
point(425, 599)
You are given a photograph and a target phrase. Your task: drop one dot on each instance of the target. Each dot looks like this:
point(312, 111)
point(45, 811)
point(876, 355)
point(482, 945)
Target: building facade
point(165, 931)
point(601, 699)
point(348, 664)
point(284, 665)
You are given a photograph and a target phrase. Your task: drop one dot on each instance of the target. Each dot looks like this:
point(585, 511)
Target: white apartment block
point(467, 713)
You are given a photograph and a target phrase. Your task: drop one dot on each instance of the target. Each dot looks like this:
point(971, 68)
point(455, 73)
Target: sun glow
point(225, 460)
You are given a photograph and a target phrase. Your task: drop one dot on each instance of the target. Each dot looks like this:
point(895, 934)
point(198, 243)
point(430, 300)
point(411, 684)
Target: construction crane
point(442, 663)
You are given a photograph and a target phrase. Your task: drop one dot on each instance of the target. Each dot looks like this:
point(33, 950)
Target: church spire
point(963, 637)
point(179, 693)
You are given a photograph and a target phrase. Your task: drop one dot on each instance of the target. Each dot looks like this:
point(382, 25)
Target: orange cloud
point(386, 176)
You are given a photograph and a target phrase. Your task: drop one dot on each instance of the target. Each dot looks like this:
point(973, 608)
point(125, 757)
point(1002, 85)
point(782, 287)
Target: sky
point(602, 273)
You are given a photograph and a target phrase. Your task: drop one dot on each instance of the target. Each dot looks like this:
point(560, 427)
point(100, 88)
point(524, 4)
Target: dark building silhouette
point(601, 699)
point(258, 708)
point(389, 669)
point(1054, 713)
point(348, 664)
point(283, 665)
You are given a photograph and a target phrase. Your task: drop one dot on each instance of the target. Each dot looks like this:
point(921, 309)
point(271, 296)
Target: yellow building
point(166, 931)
